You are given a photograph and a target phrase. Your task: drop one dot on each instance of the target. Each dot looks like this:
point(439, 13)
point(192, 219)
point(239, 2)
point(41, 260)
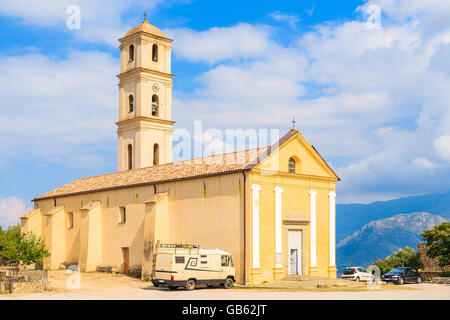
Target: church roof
point(226, 163)
point(146, 27)
point(188, 169)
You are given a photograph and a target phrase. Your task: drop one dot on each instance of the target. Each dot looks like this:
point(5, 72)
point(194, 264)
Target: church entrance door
point(294, 252)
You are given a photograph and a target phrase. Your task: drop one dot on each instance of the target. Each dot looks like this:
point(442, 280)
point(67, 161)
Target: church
point(272, 208)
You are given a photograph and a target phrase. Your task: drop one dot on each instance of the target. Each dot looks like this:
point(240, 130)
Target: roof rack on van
point(179, 245)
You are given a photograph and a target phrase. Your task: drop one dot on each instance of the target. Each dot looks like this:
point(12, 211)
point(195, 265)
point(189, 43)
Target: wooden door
point(126, 259)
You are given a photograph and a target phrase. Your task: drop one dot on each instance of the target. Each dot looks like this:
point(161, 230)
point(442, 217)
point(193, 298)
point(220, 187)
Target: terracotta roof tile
point(156, 197)
point(91, 204)
point(54, 210)
point(187, 169)
point(30, 213)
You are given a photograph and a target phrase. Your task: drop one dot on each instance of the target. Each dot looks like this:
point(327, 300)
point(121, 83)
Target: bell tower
point(145, 99)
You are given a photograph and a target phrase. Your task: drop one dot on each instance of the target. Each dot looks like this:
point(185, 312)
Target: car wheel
point(228, 283)
point(357, 279)
point(419, 279)
point(400, 281)
point(190, 285)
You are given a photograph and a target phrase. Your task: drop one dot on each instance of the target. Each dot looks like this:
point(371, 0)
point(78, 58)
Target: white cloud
point(100, 19)
point(374, 99)
point(424, 163)
point(442, 146)
point(291, 19)
point(11, 209)
point(218, 44)
point(58, 111)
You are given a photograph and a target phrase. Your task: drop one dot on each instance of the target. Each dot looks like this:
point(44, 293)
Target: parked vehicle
point(188, 266)
point(356, 273)
point(402, 275)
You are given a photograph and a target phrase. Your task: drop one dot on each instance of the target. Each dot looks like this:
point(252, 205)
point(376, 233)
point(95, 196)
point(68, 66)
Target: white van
point(178, 265)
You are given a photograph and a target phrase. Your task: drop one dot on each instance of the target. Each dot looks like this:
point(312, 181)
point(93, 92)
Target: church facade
point(272, 208)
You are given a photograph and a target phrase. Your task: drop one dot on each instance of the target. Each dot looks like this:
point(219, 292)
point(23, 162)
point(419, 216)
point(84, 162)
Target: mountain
point(352, 217)
point(379, 238)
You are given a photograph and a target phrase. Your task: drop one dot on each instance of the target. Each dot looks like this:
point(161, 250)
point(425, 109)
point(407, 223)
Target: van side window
point(179, 259)
point(225, 261)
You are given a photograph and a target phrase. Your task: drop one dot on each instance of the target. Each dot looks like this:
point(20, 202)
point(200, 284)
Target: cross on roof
point(293, 122)
point(145, 15)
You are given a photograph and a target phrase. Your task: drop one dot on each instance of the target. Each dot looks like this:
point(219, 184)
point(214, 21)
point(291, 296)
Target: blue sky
point(375, 102)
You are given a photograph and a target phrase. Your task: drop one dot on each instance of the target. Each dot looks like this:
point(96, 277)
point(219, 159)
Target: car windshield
point(348, 271)
point(397, 270)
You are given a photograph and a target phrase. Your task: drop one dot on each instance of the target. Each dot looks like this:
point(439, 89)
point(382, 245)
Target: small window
point(291, 165)
point(155, 105)
point(70, 220)
point(179, 259)
point(131, 53)
point(130, 157)
point(204, 262)
point(155, 53)
point(225, 261)
point(131, 103)
point(155, 154)
point(122, 215)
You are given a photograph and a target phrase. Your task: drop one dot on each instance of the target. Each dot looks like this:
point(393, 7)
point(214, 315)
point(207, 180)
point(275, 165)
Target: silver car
point(356, 273)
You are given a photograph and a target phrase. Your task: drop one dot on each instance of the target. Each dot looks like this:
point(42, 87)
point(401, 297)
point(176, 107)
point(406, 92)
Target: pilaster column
point(278, 226)
point(332, 263)
point(313, 227)
point(255, 225)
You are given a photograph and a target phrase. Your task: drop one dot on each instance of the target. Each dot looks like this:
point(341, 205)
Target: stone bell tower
point(145, 99)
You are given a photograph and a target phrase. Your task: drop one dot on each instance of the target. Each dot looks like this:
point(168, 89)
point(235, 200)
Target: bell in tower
point(145, 98)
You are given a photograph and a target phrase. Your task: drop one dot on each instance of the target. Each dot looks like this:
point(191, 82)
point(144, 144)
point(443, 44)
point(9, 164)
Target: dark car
point(402, 275)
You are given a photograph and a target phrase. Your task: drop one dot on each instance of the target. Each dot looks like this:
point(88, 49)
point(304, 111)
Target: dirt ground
point(117, 286)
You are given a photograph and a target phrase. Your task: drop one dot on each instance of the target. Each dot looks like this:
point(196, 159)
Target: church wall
point(310, 175)
point(202, 211)
point(295, 201)
point(208, 212)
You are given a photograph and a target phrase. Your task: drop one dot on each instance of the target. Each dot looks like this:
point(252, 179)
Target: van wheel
point(357, 279)
point(228, 283)
point(190, 285)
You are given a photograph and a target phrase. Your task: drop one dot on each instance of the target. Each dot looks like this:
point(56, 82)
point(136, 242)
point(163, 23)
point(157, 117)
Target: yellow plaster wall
point(313, 175)
point(204, 211)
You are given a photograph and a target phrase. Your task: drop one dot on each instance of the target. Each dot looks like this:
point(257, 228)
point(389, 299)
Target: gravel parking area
point(117, 286)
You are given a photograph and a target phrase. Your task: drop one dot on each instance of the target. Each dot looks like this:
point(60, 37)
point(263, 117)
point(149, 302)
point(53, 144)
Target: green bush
point(444, 274)
point(25, 248)
point(438, 242)
point(406, 257)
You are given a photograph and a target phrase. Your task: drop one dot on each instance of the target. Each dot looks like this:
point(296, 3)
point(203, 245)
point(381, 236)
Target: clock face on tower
point(155, 87)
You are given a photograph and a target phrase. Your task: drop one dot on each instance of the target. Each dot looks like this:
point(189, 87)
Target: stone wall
point(431, 266)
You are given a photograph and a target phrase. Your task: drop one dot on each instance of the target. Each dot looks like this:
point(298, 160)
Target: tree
point(26, 248)
point(438, 243)
point(384, 268)
point(406, 257)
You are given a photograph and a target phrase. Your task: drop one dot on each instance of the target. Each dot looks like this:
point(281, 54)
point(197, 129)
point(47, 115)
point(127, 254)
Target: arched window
point(155, 105)
point(131, 53)
point(155, 154)
point(130, 157)
point(155, 53)
point(131, 103)
point(291, 165)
